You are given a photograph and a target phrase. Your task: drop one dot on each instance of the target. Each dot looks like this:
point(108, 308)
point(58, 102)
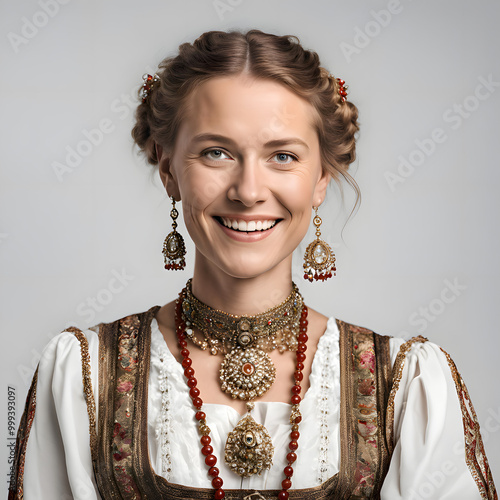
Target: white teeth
point(248, 227)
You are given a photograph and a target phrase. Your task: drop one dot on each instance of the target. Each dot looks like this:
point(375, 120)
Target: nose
point(248, 185)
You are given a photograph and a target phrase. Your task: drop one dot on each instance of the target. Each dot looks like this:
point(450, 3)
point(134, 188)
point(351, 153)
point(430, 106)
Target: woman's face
point(246, 165)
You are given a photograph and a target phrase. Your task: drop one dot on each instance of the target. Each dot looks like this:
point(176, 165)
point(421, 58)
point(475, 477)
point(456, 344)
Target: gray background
point(69, 68)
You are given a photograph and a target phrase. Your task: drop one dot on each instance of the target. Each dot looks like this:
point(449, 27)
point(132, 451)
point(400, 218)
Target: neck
point(241, 295)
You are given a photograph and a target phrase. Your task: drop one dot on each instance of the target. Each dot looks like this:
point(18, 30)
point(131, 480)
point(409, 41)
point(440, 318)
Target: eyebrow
point(270, 144)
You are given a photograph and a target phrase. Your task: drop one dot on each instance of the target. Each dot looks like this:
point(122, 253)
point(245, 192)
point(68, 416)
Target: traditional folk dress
point(109, 416)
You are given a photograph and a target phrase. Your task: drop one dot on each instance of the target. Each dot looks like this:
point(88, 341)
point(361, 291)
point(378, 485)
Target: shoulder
point(66, 344)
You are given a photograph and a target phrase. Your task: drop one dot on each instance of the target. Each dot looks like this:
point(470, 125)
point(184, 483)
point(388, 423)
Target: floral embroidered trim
point(164, 424)
point(475, 456)
point(87, 388)
point(365, 411)
point(16, 487)
point(397, 373)
point(127, 377)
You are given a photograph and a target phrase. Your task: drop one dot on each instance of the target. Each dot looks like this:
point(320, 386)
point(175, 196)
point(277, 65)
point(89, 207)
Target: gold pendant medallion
point(249, 448)
point(246, 373)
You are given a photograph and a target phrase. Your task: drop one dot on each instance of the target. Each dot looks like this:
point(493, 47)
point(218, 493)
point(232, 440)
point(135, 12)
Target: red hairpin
point(342, 89)
point(147, 87)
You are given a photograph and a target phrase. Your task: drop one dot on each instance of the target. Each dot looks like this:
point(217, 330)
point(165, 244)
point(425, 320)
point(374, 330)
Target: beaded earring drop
point(319, 259)
point(174, 248)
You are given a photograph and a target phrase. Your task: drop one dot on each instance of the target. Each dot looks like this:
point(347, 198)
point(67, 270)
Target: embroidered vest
point(120, 456)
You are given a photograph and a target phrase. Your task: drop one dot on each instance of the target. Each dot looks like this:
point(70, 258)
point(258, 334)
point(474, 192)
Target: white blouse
point(428, 459)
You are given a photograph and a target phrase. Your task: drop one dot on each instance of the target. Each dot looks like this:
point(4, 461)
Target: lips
point(247, 226)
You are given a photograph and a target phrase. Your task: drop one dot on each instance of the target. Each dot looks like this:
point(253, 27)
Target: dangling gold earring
point(174, 248)
point(319, 259)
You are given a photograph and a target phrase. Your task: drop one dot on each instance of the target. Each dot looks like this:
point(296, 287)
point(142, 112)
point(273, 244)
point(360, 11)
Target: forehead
point(250, 107)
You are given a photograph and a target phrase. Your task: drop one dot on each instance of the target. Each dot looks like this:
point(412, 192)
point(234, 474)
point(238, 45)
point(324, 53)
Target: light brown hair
point(262, 55)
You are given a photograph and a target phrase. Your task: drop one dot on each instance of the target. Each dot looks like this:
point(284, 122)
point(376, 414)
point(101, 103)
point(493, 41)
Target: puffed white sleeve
point(57, 461)
point(438, 452)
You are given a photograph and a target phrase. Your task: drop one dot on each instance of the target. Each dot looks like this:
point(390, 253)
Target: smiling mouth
point(247, 226)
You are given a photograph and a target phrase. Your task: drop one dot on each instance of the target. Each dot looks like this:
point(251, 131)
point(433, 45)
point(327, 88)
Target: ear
point(167, 174)
point(320, 189)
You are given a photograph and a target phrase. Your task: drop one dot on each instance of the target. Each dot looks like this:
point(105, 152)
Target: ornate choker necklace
point(246, 373)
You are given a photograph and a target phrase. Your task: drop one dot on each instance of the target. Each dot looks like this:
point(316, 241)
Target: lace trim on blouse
point(164, 425)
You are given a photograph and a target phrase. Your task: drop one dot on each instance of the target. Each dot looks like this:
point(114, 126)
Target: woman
point(238, 389)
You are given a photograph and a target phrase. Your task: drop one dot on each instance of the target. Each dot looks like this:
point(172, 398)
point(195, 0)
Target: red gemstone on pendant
point(295, 399)
point(248, 368)
point(298, 419)
point(296, 389)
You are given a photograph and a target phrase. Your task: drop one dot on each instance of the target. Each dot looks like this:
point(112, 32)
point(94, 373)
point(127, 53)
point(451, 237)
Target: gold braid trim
point(475, 456)
point(87, 388)
point(397, 373)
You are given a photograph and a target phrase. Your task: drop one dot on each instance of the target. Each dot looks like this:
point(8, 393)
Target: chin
point(248, 267)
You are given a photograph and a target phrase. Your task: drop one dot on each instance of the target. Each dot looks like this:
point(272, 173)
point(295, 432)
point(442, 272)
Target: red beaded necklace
point(194, 392)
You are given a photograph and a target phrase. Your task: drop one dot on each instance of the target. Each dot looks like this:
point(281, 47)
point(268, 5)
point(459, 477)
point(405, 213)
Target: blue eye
point(284, 158)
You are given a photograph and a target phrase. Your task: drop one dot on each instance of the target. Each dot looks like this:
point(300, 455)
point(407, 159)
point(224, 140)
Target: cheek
point(200, 187)
point(297, 193)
